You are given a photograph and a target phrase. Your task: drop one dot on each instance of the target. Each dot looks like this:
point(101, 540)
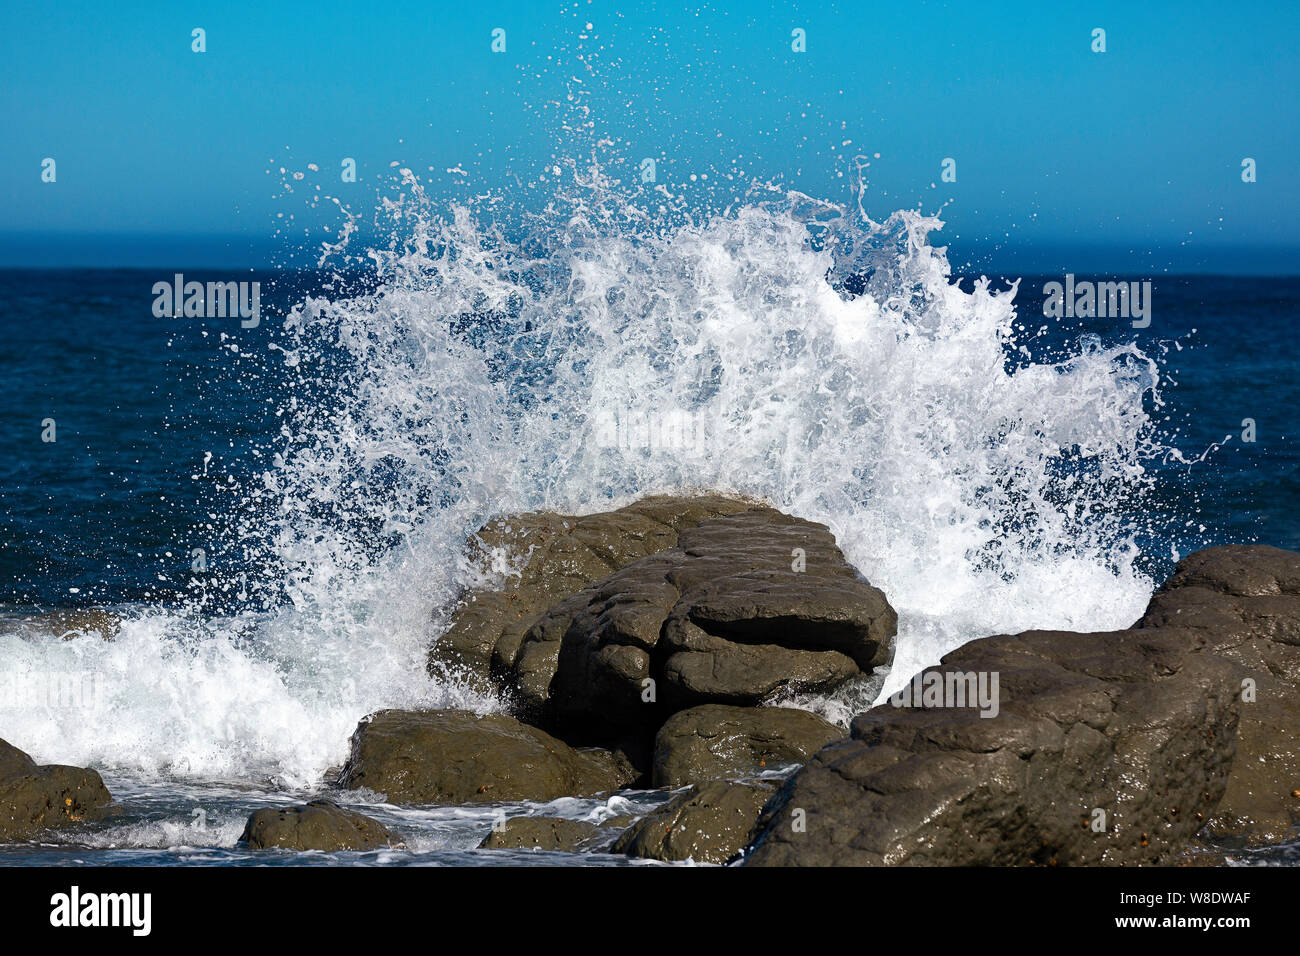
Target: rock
point(627, 763)
point(1106, 748)
point(320, 825)
point(454, 756)
point(555, 833)
point(539, 833)
point(608, 832)
point(714, 742)
point(1246, 602)
point(554, 556)
point(703, 666)
point(744, 606)
point(709, 823)
point(74, 623)
point(34, 797)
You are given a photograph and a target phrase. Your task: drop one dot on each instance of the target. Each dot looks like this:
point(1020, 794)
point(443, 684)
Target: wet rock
point(608, 833)
point(744, 606)
point(73, 623)
point(714, 742)
point(1245, 600)
point(453, 756)
point(1105, 748)
point(556, 834)
point(539, 833)
point(320, 825)
point(626, 762)
point(702, 666)
point(35, 797)
point(553, 556)
point(709, 823)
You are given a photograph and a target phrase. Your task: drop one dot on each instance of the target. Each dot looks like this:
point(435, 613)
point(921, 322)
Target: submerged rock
point(320, 825)
point(73, 623)
point(1105, 748)
point(35, 797)
point(1245, 600)
point(540, 833)
point(454, 756)
point(554, 833)
point(709, 823)
point(714, 742)
point(743, 606)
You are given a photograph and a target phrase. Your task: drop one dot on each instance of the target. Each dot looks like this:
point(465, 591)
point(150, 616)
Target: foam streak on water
point(847, 379)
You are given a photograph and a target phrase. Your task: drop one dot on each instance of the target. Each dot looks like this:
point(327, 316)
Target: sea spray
point(835, 367)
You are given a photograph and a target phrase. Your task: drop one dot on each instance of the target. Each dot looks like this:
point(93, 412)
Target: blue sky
point(162, 153)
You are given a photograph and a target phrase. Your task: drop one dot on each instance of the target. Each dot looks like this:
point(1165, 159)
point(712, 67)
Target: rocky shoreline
point(644, 648)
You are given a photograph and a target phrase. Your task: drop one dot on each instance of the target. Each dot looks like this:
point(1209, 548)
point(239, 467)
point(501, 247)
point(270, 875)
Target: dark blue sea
point(272, 514)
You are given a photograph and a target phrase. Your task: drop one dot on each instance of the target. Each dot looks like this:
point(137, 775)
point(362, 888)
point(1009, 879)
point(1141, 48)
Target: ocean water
point(276, 513)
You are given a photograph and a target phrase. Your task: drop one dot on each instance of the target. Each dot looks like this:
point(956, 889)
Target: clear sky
point(163, 154)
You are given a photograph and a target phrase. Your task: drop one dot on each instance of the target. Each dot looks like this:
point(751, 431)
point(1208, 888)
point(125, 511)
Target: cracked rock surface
point(1245, 601)
point(1107, 748)
point(745, 605)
